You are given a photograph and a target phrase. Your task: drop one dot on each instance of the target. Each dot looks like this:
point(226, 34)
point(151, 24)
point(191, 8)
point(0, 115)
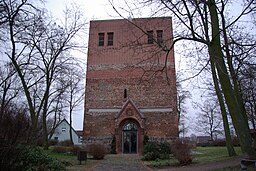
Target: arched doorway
point(130, 137)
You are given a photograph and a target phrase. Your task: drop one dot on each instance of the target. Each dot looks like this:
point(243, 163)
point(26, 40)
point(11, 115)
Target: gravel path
point(120, 162)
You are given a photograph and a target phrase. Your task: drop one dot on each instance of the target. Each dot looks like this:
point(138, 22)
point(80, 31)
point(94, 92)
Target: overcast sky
point(101, 9)
point(93, 9)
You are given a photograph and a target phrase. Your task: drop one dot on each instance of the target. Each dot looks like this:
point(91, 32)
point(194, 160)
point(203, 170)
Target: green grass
point(201, 155)
point(71, 160)
point(236, 169)
point(159, 163)
point(211, 154)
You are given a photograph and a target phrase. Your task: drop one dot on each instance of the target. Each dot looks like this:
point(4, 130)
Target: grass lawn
point(236, 169)
point(211, 154)
point(200, 155)
point(71, 160)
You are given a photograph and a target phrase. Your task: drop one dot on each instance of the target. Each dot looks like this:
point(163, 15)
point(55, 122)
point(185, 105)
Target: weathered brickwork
point(130, 85)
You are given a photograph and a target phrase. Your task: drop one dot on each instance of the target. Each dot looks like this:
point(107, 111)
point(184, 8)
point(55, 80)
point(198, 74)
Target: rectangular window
point(63, 129)
point(101, 39)
point(110, 38)
point(150, 37)
point(159, 34)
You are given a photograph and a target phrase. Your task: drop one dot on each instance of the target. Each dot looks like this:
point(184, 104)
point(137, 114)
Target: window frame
point(101, 40)
point(110, 38)
point(150, 35)
point(159, 36)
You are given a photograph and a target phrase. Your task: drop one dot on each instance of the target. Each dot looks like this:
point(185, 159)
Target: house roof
point(65, 120)
point(80, 132)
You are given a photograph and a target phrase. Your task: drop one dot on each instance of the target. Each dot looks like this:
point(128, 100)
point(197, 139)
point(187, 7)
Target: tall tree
point(207, 22)
point(40, 53)
point(74, 95)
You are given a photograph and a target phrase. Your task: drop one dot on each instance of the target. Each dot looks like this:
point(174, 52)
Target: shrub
point(59, 149)
point(98, 151)
point(66, 143)
point(151, 151)
point(145, 139)
point(53, 142)
point(23, 157)
point(165, 150)
point(75, 149)
point(219, 143)
point(113, 145)
point(182, 152)
point(154, 150)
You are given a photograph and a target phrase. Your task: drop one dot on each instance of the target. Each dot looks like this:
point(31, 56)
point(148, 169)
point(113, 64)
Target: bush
point(53, 142)
point(60, 149)
point(113, 145)
point(165, 150)
point(66, 143)
point(151, 151)
point(182, 152)
point(75, 149)
point(154, 150)
point(98, 151)
point(21, 158)
point(219, 143)
point(145, 139)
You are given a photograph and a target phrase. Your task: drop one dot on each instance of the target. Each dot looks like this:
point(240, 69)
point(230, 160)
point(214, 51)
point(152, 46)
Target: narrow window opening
point(110, 39)
point(159, 34)
point(101, 39)
point(125, 93)
point(150, 37)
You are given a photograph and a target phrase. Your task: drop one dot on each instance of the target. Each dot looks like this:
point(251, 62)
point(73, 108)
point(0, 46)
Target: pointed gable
point(130, 111)
point(127, 108)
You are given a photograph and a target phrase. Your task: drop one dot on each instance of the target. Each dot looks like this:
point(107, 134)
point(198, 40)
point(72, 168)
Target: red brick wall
point(125, 65)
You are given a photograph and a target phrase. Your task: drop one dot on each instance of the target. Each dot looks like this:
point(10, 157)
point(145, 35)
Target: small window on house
point(110, 38)
point(55, 138)
point(63, 129)
point(159, 34)
point(150, 37)
point(101, 39)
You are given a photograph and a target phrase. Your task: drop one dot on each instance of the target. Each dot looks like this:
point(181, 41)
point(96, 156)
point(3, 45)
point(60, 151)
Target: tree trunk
point(233, 104)
point(70, 129)
point(229, 144)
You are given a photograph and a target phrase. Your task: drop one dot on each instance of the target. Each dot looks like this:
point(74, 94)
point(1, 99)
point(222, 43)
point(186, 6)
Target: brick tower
point(130, 83)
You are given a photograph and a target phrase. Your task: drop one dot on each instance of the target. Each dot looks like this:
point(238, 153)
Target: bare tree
point(182, 96)
point(74, 95)
point(208, 23)
point(248, 88)
point(9, 86)
point(40, 52)
point(209, 119)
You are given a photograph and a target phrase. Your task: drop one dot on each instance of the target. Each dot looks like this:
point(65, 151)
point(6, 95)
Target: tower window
point(110, 38)
point(159, 34)
point(125, 93)
point(101, 39)
point(150, 37)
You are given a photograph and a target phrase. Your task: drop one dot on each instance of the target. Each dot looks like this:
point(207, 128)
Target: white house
point(61, 133)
